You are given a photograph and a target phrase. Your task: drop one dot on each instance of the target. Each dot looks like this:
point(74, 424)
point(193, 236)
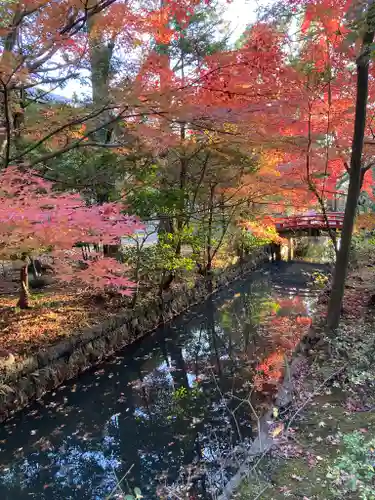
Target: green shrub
point(361, 249)
point(353, 471)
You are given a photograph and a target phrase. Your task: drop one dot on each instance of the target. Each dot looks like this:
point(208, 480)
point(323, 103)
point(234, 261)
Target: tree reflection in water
point(169, 407)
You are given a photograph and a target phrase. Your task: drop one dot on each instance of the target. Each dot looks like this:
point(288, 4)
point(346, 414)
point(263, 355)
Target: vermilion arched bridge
point(307, 224)
point(311, 223)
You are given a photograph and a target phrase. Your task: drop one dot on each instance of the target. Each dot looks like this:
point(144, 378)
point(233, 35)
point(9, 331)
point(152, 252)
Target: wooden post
point(278, 252)
point(290, 249)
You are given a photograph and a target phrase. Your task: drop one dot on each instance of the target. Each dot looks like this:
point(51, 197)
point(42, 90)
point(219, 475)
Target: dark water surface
point(171, 408)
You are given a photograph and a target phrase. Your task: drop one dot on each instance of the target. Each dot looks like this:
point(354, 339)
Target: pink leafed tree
point(35, 220)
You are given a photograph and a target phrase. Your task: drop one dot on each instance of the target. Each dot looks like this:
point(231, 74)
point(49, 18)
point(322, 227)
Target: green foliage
point(166, 258)
point(95, 174)
point(205, 35)
point(365, 203)
point(319, 279)
point(361, 249)
point(251, 242)
point(147, 201)
point(180, 393)
point(152, 261)
point(183, 394)
point(353, 470)
point(322, 252)
point(186, 401)
point(137, 494)
point(6, 13)
point(118, 491)
point(357, 348)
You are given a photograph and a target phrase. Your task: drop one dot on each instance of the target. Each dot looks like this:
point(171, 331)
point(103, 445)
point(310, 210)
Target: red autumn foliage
point(35, 219)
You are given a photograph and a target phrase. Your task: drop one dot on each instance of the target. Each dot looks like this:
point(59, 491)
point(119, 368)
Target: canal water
point(168, 413)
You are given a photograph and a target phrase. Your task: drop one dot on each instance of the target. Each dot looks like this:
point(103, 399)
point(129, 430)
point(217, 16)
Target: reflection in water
point(169, 408)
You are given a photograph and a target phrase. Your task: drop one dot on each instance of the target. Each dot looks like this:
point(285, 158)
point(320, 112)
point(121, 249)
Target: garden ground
point(55, 314)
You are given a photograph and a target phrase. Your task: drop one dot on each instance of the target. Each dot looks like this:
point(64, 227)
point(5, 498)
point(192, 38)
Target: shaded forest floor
point(323, 448)
point(54, 314)
point(57, 311)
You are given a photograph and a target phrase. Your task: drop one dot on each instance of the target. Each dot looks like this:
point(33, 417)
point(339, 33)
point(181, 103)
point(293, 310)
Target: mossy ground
point(315, 447)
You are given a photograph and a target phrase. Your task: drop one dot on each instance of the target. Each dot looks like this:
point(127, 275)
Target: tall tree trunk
point(6, 126)
point(100, 61)
point(8, 42)
point(109, 250)
point(208, 266)
point(181, 217)
point(23, 300)
point(342, 261)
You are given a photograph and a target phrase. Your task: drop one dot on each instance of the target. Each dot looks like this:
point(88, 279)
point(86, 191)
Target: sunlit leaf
point(278, 430)
point(138, 493)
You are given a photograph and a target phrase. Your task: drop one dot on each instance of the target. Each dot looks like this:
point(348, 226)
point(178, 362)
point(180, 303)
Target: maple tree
point(208, 142)
point(52, 30)
point(218, 135)
point(37, 134)
point(45, 44)
point(327, 81)
point(205, 173)
point(34, 219)
point(355, 172)
point(208, 135)
point(344, 32)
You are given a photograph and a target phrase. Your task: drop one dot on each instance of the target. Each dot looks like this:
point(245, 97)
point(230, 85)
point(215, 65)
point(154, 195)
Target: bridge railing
point(314, 221)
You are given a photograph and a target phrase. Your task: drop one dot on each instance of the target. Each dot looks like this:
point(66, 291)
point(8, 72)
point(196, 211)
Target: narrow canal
point(166, 413)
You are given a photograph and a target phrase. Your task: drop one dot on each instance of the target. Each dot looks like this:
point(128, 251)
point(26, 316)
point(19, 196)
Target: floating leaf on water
point(277, 430)
point(138, 493)
point(297, 478)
